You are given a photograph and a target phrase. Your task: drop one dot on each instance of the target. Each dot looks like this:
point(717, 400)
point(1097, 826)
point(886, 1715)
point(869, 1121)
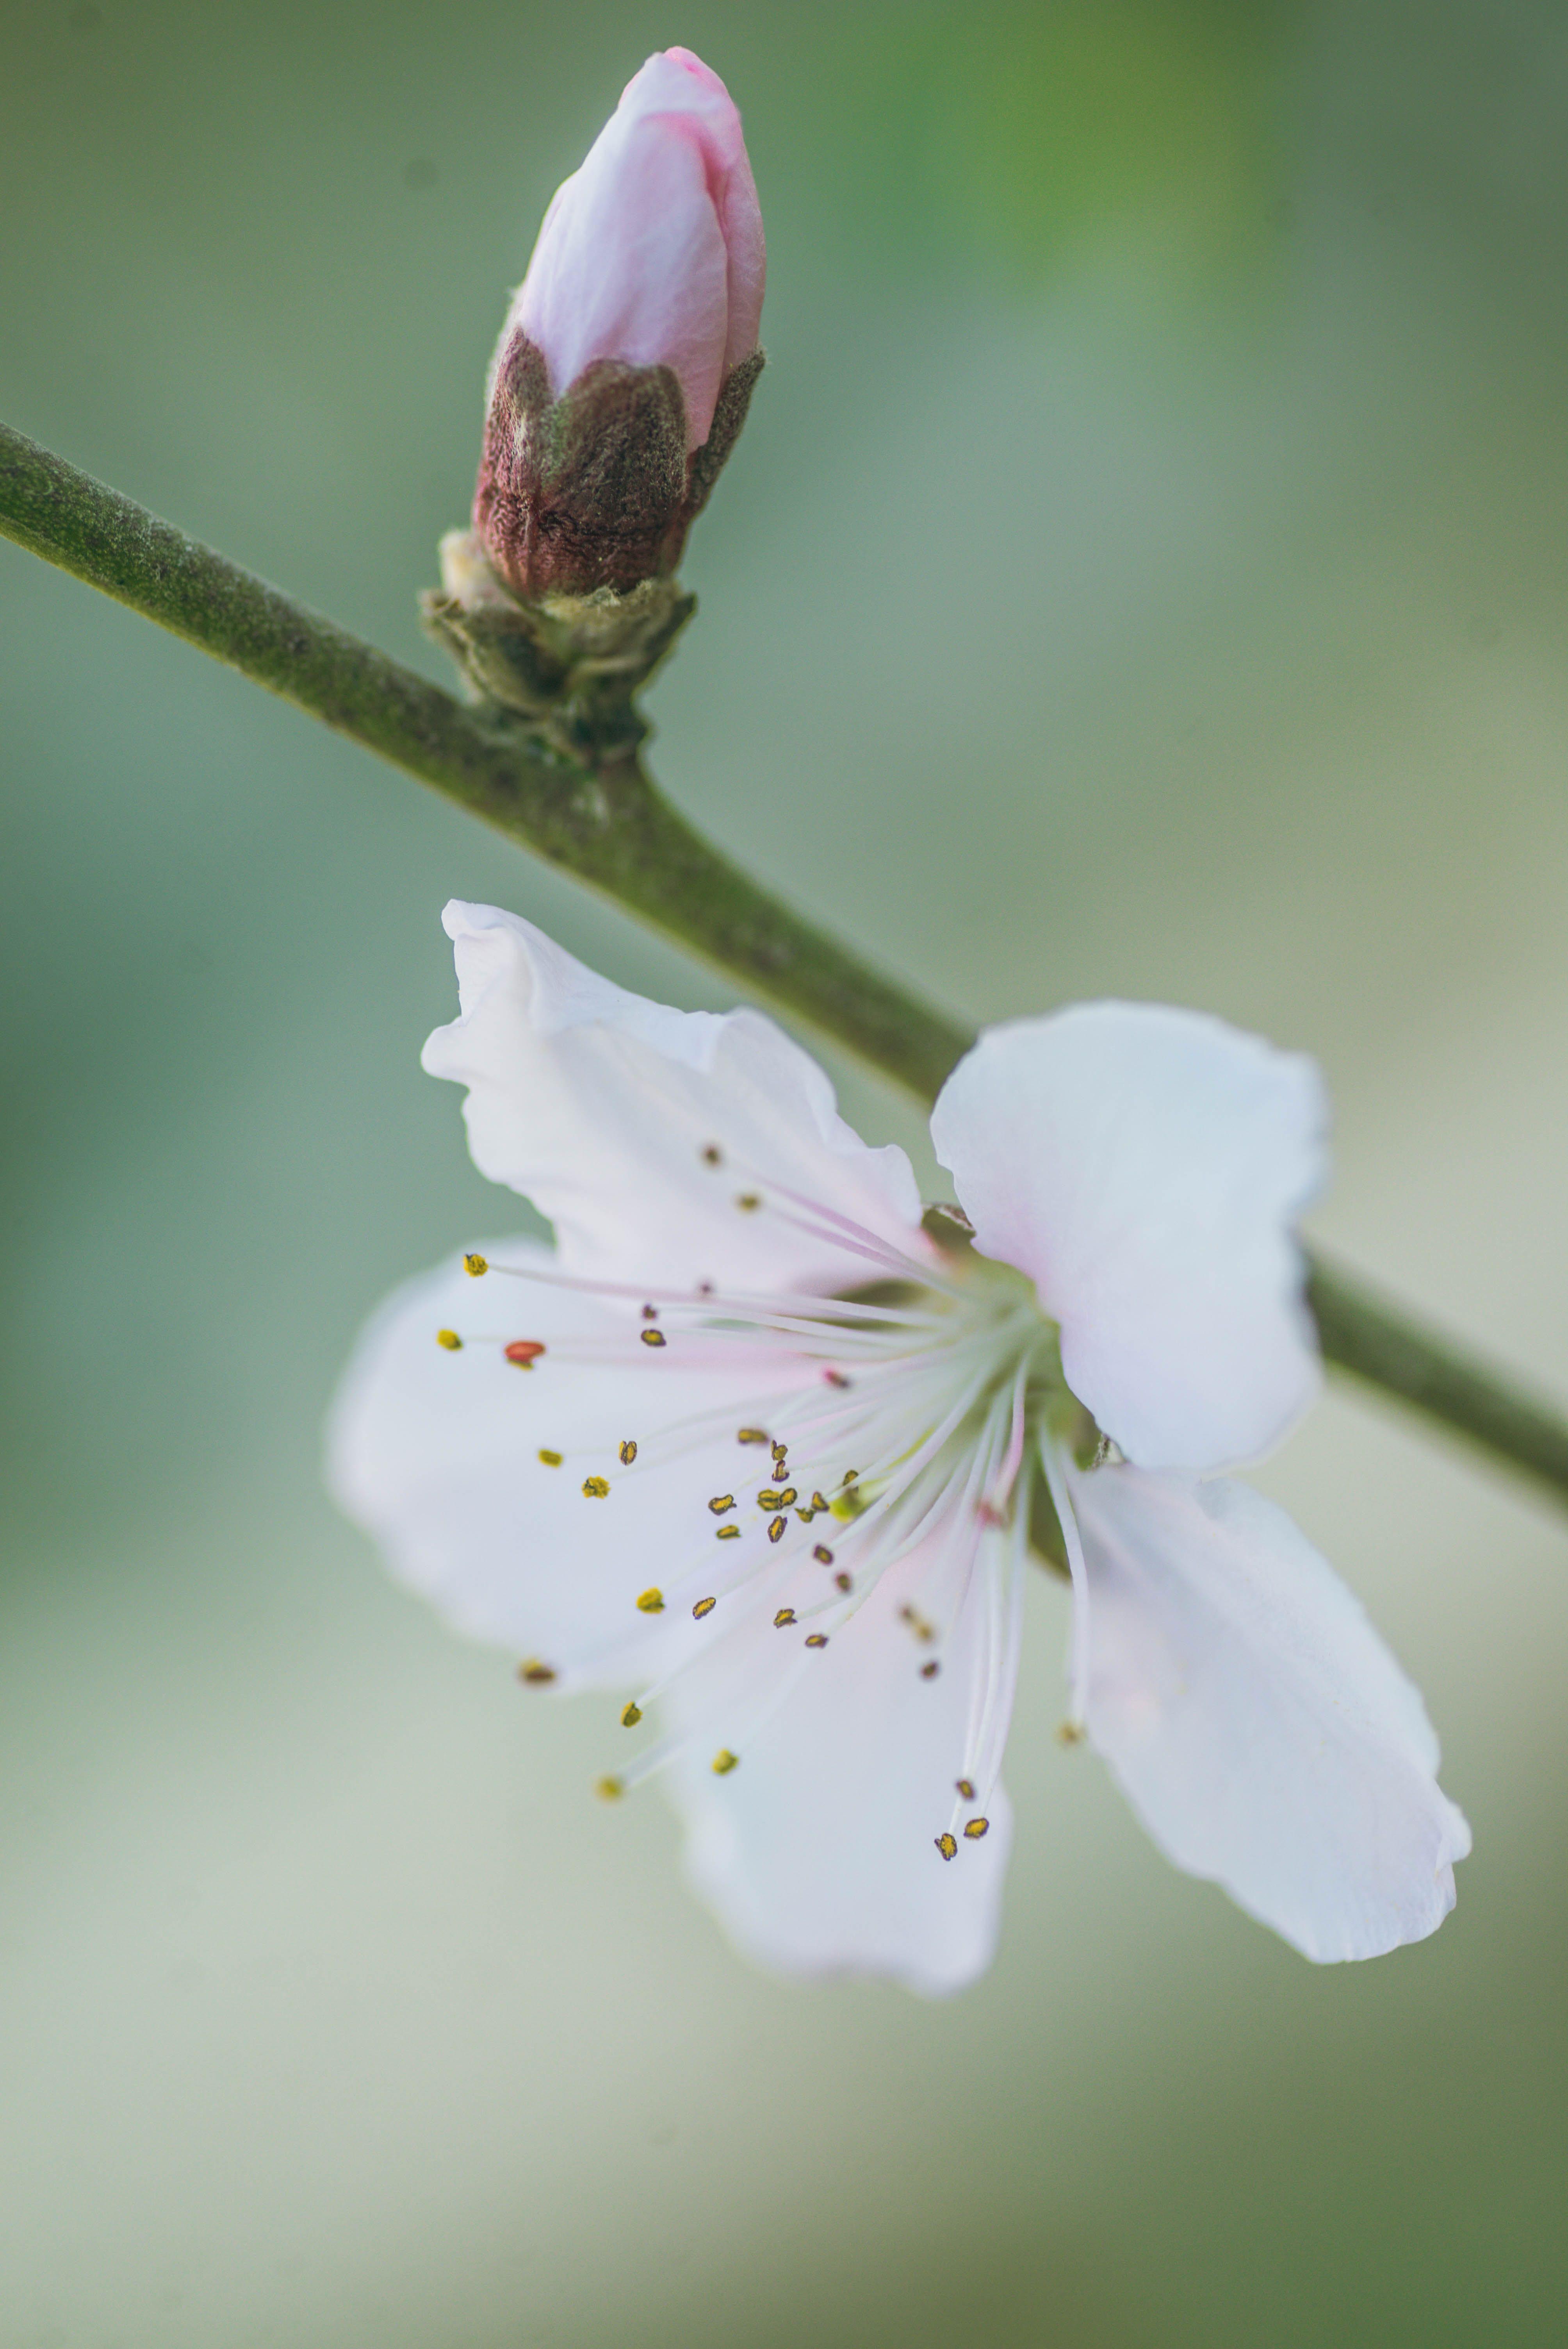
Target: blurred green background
point(1143, 573)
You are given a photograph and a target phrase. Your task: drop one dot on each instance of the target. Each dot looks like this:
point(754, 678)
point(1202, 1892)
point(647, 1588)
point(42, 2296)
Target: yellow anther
point(704, 1607)
point(651, 1602)
point(929, 1672)
point(805, 1516)
point(974, 1828)
point(751, 1436)
point(784, 1617)
point(728, 1533)
point(748, 1201)
point(631, 1715)
point(843, 1582)
point(965, 1787)
point(822, 1554)
point(650, 1313)
point(712, 1156)
point(551, 1459)
point(609, 1790)
point(818, 1502)
point(778, 1529)
point(817, 1640)
point(1071, 1733)
point(628, 1453)
point(769, 1499)
point(720, 1502)
point(724, 1762)
point(653, 1337)
point(450, 1339)
point(595, 1487)
point(787, 1495)
point(534, 1674)
point(475, 1265)
point(851, 1476)
point(947, 1846)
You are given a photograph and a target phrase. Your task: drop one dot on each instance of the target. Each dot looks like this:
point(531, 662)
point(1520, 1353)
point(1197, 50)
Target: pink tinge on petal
point(652, 253)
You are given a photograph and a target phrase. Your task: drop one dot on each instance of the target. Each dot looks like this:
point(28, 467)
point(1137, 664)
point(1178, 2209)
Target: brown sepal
point(595, 488)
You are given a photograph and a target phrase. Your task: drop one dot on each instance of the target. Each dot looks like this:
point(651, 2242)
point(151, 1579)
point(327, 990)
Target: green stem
point(613, 829)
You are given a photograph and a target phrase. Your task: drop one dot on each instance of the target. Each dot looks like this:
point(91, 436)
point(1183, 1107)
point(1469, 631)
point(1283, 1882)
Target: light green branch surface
point(612, 828)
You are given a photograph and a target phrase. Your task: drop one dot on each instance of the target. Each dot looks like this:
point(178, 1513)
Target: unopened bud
point(626, 364)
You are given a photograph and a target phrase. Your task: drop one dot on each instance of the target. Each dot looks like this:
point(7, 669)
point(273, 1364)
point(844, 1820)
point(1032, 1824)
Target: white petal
point(436, 1455)
point(1146, 1166)
point(817, 1852)
point(599, 1106)
point(1257, 1724)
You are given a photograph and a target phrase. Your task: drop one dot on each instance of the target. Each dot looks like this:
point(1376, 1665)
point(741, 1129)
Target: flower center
point(887, 1441)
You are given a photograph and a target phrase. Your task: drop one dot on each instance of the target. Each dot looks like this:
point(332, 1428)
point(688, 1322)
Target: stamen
point(966, 1788)
point(653, 1337)
point(974, 1828)
point(628, 1453)
point(929, 1672)
point(728, 1533)
point(712, 1156)
point(551, 1459)
point(784, 1617)
point(748, 1201)
point(474, 1265)
point(720, 1503)
point(533, 1673)
point(631, 1715)
point(451, 1341)
point(1077, 1674)
point(524, 1352)
point(704, 1607)
point(609, 1790)
point(778, 1529)
point(751, 1436)
point(651, 1602)
point(1071, 1733)
point(947, 1846)
point(724, 1762)
point(650, 1313)
point(817, 1640)
point(843, 1582)
point(596, 1488)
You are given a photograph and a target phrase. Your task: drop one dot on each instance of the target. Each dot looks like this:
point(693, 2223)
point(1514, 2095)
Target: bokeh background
point(1143, 573)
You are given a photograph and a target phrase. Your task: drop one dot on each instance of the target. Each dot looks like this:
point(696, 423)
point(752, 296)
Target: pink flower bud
point(626, 362)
